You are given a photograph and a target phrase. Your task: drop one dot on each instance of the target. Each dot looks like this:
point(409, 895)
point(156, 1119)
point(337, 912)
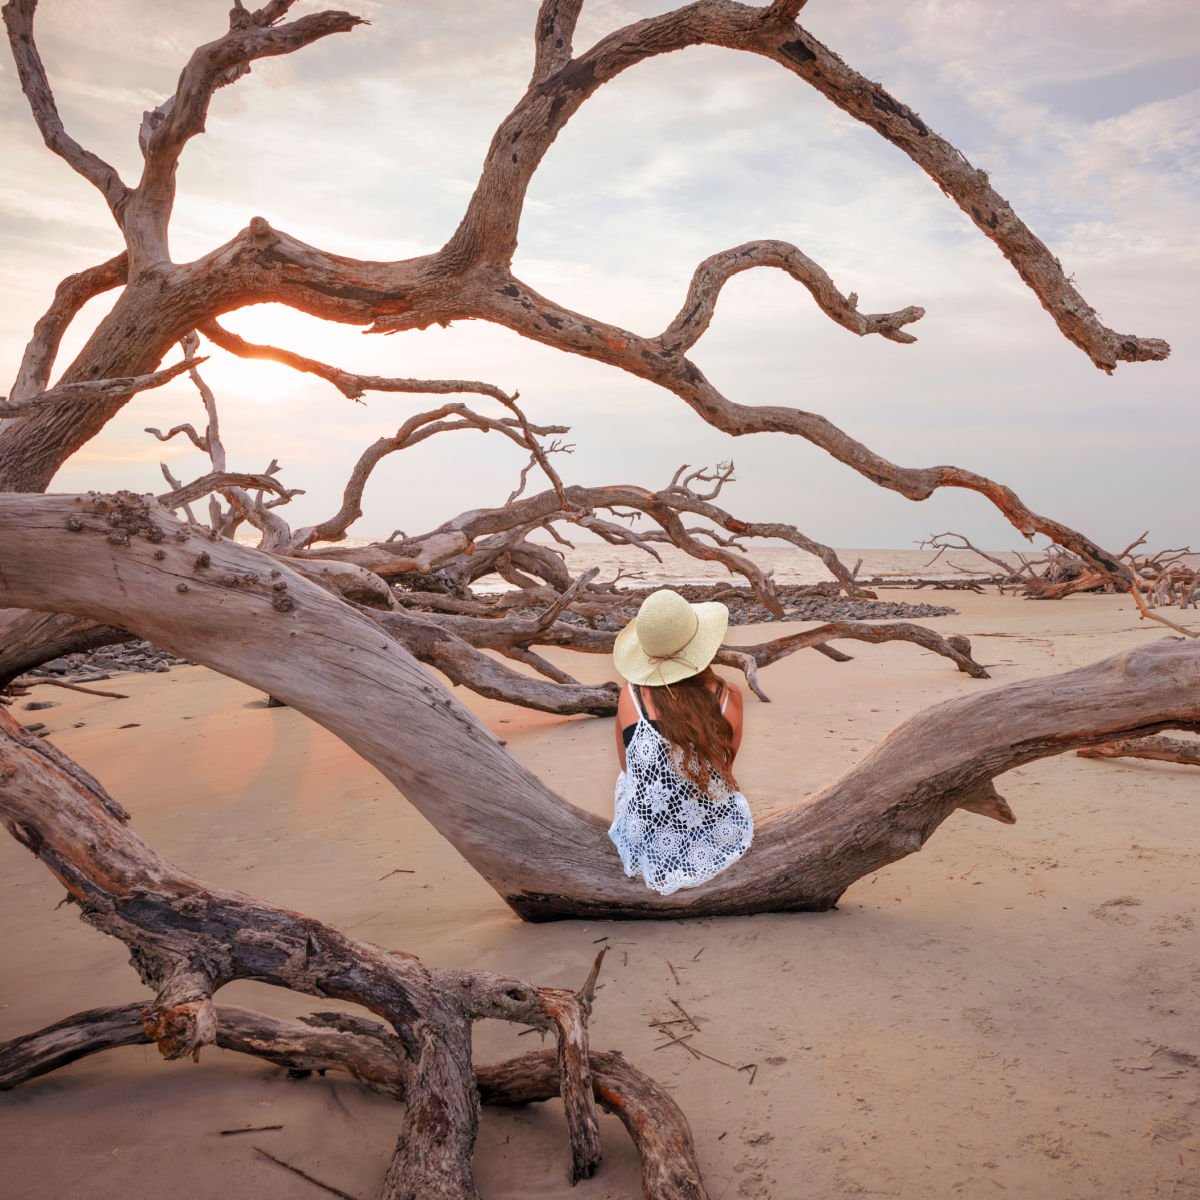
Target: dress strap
point(724, 697)
point(637, 702)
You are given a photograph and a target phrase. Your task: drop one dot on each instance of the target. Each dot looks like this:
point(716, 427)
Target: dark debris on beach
point(800, 602)
point(94, 666)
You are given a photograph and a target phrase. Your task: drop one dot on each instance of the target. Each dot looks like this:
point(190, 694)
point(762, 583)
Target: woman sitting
point(679, 817)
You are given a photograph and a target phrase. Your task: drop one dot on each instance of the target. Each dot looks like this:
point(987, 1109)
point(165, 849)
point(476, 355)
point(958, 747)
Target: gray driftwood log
point(122, 557)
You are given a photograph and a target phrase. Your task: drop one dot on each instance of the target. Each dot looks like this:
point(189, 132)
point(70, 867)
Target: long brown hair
point(690, 718)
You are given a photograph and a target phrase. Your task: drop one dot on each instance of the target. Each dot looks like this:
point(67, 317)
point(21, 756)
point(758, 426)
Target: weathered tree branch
point(417, 429)
point(431, 550)
point(166, 130)
point(513, 304)
point(374, 1058)
point(351, 385)
point(92, 390)
point(1161, 749)
point(69, 297)
point(799, 52)
point(553, 34)
point(713, 273)
point(498, 816)
point(18, 17)
point(217, 481)
point(29, 639)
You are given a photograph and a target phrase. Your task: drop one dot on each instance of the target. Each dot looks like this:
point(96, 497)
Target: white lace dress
point(665, 828)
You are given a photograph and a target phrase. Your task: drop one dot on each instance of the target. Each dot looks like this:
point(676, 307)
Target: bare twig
point(333, 1191)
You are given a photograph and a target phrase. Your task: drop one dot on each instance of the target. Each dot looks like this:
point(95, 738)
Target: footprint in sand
point(1113, 911)
point(982, 1020)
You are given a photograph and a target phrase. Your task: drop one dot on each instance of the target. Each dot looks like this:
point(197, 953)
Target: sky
point(1085, 114)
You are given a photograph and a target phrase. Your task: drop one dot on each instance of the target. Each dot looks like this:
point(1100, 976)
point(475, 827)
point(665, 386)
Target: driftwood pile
point(1161, 579)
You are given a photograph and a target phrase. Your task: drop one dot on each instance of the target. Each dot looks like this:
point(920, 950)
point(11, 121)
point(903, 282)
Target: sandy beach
point(1011, 1012)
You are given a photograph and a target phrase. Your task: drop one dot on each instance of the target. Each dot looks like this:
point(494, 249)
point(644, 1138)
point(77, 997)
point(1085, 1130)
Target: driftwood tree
point(78, 567)
point(1162, 577)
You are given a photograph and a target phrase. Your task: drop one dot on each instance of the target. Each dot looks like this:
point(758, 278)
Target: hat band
point(677, 655)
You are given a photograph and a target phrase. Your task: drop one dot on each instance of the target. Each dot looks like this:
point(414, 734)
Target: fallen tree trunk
point(103, 556)
point(189, 939)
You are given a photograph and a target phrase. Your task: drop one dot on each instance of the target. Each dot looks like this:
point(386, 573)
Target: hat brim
point(634, 664)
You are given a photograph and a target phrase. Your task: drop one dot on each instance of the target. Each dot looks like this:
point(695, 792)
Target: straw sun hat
point(669, 639)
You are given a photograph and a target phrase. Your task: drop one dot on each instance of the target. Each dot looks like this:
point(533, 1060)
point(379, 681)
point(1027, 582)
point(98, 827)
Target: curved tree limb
point(798, 51)
point(350, 384)
point(511, 303)
point(29, 639)
point(500, 817)
point(417, 429)
point(713, 273)
point(217, 481)
point(69, 297)
point(18, 17)
point(955, 648)
point(166, 130)
point(488, 230)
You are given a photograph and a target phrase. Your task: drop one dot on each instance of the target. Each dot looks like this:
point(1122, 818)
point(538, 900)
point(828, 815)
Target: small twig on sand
point(673, 975)
point(26, 681)
point(752, 1068)
point(397, 871)
point(248, 1129)
point(678, 1041)
point(683, 1041)
point(698, 953)
point(305, 1175)
point(690, 1019)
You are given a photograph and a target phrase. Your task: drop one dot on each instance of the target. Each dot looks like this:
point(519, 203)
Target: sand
point(1011, 1012)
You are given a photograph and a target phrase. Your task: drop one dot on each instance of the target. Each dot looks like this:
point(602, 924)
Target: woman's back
point(678, 816)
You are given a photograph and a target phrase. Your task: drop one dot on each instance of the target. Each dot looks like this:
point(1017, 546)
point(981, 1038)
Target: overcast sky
point(1085, 114)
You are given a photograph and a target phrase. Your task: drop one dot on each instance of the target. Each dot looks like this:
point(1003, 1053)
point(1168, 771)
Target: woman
point(679, 816)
